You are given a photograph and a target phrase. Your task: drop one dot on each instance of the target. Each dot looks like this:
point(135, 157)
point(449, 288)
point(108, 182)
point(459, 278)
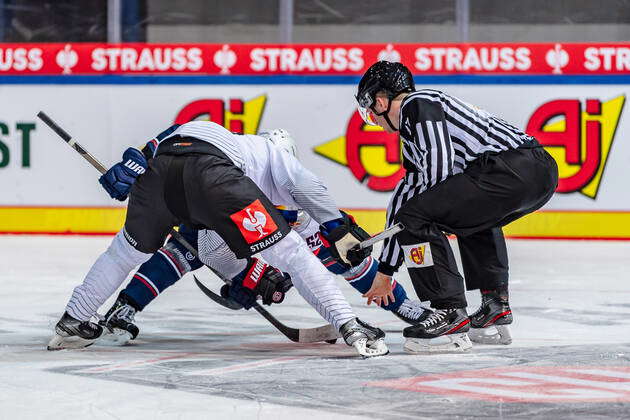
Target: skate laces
point(411, 309)
point(124, 312)
point(435, 317)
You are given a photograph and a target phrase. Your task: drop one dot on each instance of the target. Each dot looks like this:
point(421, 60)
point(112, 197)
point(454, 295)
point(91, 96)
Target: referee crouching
point(468, 173)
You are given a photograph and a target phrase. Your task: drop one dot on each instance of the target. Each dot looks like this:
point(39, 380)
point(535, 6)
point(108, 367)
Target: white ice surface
point(563, 293)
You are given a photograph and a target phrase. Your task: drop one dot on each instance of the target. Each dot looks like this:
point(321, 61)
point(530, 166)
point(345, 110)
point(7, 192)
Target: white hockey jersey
point(280, 176)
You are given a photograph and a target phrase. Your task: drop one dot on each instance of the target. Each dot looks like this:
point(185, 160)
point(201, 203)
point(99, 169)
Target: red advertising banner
point(312, 59)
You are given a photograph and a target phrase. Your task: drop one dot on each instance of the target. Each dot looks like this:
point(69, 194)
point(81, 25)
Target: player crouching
point(204, 176)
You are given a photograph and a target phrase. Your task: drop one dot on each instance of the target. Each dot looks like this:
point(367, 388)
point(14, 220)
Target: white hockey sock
point(105, 276)
point(311, 279)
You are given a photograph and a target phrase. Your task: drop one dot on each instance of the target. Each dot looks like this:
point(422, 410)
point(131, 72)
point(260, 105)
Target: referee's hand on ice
point(381, 291)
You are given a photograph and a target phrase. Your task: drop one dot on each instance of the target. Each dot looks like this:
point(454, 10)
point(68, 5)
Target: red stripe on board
point(572, 238)
point(55, 207)
point(61, 233)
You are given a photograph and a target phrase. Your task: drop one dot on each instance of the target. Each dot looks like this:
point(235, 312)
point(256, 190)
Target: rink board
point(47, 188)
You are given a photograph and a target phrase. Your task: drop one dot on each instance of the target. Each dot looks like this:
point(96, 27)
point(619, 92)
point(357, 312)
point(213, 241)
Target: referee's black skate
point(412, 312)
point(71, 333)
point(489, 323)
point(444, 330)
point(119, 323)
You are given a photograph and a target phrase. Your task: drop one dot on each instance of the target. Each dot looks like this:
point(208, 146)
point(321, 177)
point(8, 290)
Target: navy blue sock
point(162, 270)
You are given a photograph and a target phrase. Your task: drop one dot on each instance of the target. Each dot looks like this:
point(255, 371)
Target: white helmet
point(281, 138)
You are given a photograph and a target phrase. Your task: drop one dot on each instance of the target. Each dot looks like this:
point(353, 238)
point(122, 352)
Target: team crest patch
point(418, 255)
point(254, 222)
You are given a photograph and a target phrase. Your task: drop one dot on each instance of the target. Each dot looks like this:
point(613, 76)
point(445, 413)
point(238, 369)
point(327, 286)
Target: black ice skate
point(489, 324)
point(119, 323)
point(442, 331)
point(412, 312)
point(368, 340)
point(71, 333)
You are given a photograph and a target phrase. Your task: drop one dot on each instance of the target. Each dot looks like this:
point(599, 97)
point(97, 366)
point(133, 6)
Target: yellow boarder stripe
point(62, 220)
point(108, 220)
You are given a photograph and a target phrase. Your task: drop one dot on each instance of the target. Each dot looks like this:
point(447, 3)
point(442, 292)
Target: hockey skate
point(366, 339)
point(444, 330)
point(71, 333)
point(118, 323)
point(489, 324)
point(412, 312)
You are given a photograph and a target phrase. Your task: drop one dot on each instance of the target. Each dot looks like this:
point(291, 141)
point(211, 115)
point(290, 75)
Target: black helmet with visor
point(382, 76)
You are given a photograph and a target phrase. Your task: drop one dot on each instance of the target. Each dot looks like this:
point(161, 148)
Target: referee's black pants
point(493, 191)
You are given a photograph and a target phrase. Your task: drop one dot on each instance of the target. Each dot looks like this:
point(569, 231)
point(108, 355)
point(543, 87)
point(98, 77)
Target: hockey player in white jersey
point(172, 261)
point(206, 177)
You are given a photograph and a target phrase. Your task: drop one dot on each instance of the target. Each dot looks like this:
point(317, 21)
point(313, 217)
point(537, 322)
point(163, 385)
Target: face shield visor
point(365, 103)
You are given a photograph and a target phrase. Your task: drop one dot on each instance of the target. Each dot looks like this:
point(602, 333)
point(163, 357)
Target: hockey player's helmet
point(281, 138)
point(382, 76)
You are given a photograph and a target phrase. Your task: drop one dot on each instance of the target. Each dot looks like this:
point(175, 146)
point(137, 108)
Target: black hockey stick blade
point(228, 303)
point(299, 335)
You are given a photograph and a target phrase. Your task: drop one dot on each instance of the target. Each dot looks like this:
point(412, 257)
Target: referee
point(468, 173)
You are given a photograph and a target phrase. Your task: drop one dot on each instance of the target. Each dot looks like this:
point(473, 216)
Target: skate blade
point(115, 338)
point(494, 334)
point(59, 342)
point(452, 343)
point(378, 348)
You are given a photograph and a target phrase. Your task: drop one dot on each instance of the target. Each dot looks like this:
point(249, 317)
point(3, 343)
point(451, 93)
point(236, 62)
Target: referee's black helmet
point(392, 78)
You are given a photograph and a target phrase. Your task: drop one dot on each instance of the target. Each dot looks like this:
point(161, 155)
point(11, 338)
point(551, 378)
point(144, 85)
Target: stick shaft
point(68, 139)
point(387, 233)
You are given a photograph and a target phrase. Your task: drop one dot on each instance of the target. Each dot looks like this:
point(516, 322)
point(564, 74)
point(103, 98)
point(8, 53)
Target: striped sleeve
point(429, 157)
point(425, 135)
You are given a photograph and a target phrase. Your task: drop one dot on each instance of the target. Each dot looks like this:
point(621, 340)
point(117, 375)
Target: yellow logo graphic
point(417, 255)
point(238, 116)
point(579, 140)
point(371, 154)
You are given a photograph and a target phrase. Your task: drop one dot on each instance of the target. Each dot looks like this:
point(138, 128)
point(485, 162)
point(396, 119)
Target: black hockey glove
point(343, 234)
point(258, 279)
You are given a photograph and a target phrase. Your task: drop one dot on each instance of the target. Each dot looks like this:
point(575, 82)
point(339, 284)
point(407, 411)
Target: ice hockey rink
point(193, 359)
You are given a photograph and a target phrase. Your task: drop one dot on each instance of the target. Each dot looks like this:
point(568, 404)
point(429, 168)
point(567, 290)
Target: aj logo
point(417, 255)
point(255, 222)
point(372, 155)
point(579, 139)
point(236, 115)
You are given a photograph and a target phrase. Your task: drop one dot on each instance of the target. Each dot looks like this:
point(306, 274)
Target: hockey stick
point(299, 335)
point(387, 233)
point(228, 303)
point(302, 335)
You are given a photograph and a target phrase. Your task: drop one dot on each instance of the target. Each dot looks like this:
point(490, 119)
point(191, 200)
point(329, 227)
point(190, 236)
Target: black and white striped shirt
point(441, 135)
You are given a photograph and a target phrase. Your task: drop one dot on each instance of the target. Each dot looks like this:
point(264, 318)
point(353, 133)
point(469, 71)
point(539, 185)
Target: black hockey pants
point(203, 191)
point(493, 191)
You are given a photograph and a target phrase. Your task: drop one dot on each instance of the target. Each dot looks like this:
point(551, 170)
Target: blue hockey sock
point(162, 270)
point(362, 276)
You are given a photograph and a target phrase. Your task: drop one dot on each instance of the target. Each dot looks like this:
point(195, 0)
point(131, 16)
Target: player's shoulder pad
point(423, 105)
point(167, 132)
